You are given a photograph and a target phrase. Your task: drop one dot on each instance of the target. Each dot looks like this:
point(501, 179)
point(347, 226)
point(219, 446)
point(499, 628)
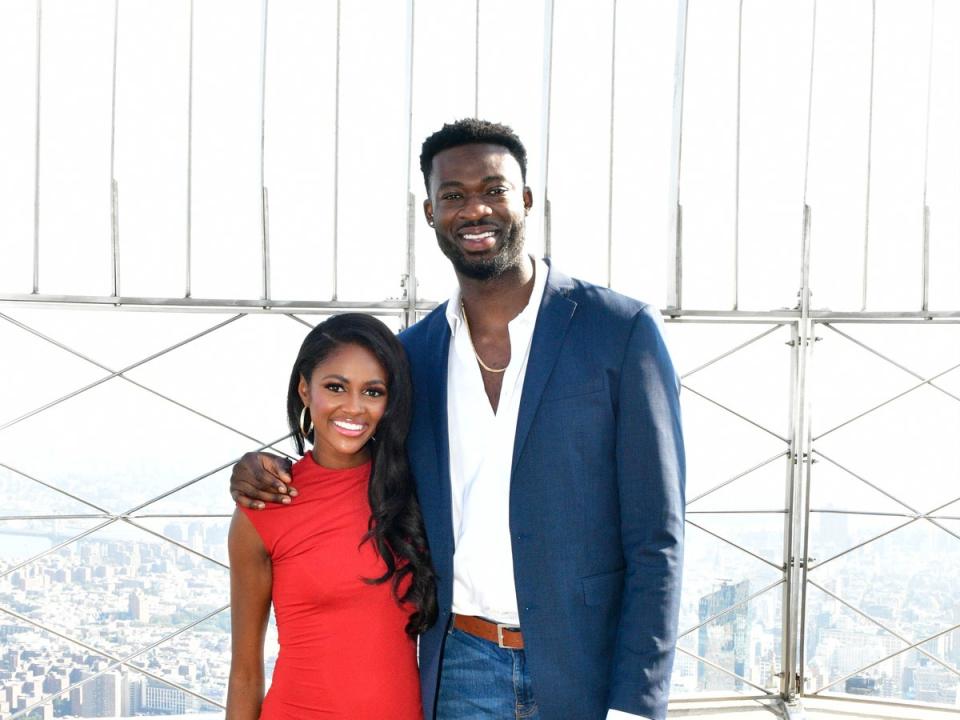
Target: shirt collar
point(527, 316)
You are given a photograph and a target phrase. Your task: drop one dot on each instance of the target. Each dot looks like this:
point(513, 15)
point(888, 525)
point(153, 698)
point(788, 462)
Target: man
point(547, 452)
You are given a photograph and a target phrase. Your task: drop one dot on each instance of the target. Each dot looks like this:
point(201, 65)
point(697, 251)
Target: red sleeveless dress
point(343, 649)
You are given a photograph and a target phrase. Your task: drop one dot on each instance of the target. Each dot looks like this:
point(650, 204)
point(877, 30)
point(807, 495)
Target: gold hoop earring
point(303, 431)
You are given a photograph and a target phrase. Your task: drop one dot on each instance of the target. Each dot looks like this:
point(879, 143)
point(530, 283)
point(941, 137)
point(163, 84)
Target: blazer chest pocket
point(586, 386)
point(601, 589)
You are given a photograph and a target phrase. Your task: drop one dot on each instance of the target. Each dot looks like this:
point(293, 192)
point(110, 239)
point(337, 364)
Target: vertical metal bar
point(736, 190)
point(800, 515)
point(925, 299)
point(410, 281)
point(806, 160)
point(548, 15)
point(189, 258)
point(674, 233)
point(336, 162)
point(786, 626)
point(866, 217)
point(36, 160)
point(114, 229)
point(264, 232)
point(115, 234)
point(613, 90)
point(792, 684)
point(795, 531)
point(476, 62)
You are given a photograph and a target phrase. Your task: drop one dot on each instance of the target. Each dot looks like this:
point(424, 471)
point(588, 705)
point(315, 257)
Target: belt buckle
point(500, 628)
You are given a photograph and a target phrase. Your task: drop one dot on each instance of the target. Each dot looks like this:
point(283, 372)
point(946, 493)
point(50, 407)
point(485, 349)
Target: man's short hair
point(471, 131)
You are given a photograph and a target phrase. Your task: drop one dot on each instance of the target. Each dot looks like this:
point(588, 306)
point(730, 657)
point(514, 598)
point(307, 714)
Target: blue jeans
point(479, 680)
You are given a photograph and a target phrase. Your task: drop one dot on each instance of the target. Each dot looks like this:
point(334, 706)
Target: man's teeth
point(348, 425)
point(480, 236)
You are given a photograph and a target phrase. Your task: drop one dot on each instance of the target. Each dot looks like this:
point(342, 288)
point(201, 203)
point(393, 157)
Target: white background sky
point(151, 148)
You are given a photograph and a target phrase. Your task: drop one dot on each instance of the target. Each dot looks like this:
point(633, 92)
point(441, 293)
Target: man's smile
point(478, 238)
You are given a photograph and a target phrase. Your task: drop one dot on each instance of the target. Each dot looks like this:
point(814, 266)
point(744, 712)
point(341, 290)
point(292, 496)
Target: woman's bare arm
point(251, 583)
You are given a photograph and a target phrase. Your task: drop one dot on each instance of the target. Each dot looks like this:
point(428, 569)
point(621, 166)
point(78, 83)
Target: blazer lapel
point(556, 311)
point(438, 344)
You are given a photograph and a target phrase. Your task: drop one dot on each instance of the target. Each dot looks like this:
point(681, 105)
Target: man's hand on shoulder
point(261, 478)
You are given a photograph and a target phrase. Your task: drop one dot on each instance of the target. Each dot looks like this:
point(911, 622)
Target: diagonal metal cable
point(779, 568)
point(816, 566)
point(116, 373)
point(116, 661)
point(197, 479)
point(896, 397)
point(177, 543)
point(891, 631)
point(890, 360)
point(730, 352)
point(913, 519)
point(724, 670)
point(103, 511)
point(726, 611)
point(51, 517)
point(913, 646)
point(133, 382)
point(914, 516)
point(866, 482)
point(737, 477)
point(731, 411)
point(300, 320)
point(58, 546)
point(114, 517)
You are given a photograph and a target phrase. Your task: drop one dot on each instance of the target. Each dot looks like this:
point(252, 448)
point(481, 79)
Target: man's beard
point(509, 256)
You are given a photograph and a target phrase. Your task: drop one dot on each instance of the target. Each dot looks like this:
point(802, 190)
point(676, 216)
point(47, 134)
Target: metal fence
point(822, 523)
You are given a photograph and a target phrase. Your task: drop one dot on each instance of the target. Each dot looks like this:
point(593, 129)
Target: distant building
point(102, 696)
point(725, 641)
point(137, 607)
point(160, 698)
point(862, 685)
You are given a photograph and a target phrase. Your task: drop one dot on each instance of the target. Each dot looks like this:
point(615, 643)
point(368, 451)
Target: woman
point(346, 562)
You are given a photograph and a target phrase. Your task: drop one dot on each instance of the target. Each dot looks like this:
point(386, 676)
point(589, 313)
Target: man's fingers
point(250, 497)
point(276, 471)
point(260, 478)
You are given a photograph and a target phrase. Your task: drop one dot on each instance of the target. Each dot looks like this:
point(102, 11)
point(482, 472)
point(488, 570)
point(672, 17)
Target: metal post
point(675, 231)
point(791, 683)
point(336, 163)
point(264, 231)
point(792, 680)
point(189, 257)
point(736, 190)
point(114, 210)
point(476, 62)
point(925, 298)
point(36, 160)
point(866, 217)
point(410, 278)
point(548, 14)
point(613, 91)
point(801, 515)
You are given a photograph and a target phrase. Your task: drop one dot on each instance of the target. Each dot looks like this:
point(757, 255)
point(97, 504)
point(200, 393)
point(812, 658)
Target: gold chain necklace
point(463, 311)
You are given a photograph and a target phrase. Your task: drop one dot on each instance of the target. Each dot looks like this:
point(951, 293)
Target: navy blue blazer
point(596, 501)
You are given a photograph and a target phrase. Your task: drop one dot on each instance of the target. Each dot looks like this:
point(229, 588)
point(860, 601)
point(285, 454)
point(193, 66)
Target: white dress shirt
point(481, 456)
point(481, 459)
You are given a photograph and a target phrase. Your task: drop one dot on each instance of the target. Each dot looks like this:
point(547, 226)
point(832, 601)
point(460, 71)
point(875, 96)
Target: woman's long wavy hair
point(396, 525)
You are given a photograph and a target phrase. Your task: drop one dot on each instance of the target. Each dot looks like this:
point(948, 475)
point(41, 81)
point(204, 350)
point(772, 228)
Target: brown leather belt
point(503, 635)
